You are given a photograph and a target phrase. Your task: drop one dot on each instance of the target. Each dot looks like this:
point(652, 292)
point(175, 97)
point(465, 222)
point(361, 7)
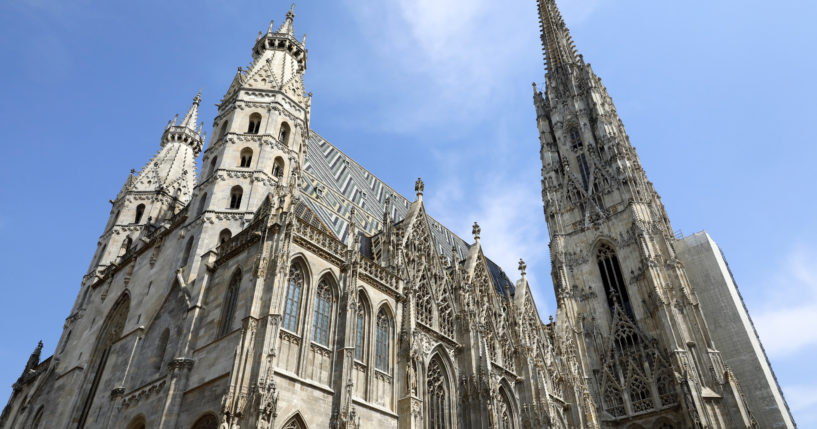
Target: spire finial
point(287, 27)
point(556, 40)
point(476, 230)
point(192, 117)
point(419, 186)
point(522, 267)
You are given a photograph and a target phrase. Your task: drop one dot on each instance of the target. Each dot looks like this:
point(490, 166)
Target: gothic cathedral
point(285, 286)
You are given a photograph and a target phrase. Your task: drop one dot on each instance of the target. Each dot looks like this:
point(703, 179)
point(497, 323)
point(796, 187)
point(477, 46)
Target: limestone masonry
point(285, 286)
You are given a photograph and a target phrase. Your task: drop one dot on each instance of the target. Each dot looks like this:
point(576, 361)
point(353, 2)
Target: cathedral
point(285, 286)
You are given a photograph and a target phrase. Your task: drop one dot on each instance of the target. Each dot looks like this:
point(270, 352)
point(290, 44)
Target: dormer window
point(255, 124)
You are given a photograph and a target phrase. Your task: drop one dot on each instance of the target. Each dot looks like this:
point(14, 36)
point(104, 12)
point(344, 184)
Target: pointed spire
point(556, 41)
point(271, 28)
point(192, 116)
point(287, 27)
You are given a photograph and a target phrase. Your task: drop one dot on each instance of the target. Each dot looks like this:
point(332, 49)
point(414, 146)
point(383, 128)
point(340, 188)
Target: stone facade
point(287, 287)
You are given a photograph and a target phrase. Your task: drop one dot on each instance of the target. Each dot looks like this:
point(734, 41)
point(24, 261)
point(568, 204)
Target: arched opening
point(161, 346)
point(246, 158)
point(111, 331)
point(188, 248)
point(505, 411)
point(255, 123)
point(140, 210)
point(278, 167)
point(575, 138)
point(361, 323)
point(207, 421)
point(296, 422)
point(223, 130)
point(437, 391)
point(292, 305)
point(612, 279)
point(324, 303)
point(235, 197)
point(126, 245)
point(383, 341)
point(283, 134)
point(213, 165)
point(230, 299)
point(224, 236)
point(202, 202)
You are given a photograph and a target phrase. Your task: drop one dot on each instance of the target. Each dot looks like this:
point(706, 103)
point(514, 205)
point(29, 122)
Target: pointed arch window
point(383, 341)
point(230, 300)
point(295, 423)
point(439, 414)
point(224, 236)
point(202, 202)
point(446, 318)
point(575, 138)
point(278, 167)
point(140, 210)
point(612, 279)
point(213, 165)
point(235, 197)
point(293, 300)
point(255, 123)
point(188, 248)
point(640, 395)
point(283, 134)
point(360, 331)
point(505, 413)
point(246, 158)
point(323, 313)
point(223, 130)
point(425, 310)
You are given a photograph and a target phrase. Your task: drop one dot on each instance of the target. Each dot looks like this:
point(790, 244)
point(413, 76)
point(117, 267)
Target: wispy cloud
point(792, 303)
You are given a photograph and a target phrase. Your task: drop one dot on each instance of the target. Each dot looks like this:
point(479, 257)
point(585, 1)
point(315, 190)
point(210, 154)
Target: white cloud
point(793, 303)
point(802, 400)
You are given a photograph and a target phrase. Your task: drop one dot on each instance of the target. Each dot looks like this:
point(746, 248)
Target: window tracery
point(446, 318)
point(230, 299)
point(437, 391)
point(611, 278)
point(383, 341)
point(293, 299)
point(425, 311)
point(323, 313)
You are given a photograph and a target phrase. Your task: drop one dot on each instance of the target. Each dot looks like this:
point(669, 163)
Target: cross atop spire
point(557, 44)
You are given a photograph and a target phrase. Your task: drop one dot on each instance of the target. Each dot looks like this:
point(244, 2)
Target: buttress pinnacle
point(192, 116)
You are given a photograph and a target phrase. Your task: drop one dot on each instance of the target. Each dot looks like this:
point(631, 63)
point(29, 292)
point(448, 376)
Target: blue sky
point(717, 96)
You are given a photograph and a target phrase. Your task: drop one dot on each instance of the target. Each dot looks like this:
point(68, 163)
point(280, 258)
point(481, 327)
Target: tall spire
point(287, 27)
point(192, 116)
point(557, 44)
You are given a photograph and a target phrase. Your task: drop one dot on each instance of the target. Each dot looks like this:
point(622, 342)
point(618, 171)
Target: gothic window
point(228, 305)
point(224, 236)
point(612, 279)
point(323, 313)
point(213, 165)
point(246, 158)
point(439, 413)
point(137, 423)
point(223, 130)
point(126, 244)
point(159, 353)
point(207, 421)
point(235, 197)
point(613, 401)
point(140, 210)
point(255, 123)
point(202, 201)
point(383, 341)
point(360, 330)
point(293, 300)
point(283, 134)
point(666, 388)
point(446, 318)
point(583, 169)
point(575, 138)
point(504, 412)
point(187, 249)
point(424, 307)
point(278, 167)
point(111, 331)
point(640, 395)
point(295, 423)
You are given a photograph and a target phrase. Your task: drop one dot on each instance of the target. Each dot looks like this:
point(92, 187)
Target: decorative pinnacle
point(476, 230)
point(419, 186)
point(522, 266)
